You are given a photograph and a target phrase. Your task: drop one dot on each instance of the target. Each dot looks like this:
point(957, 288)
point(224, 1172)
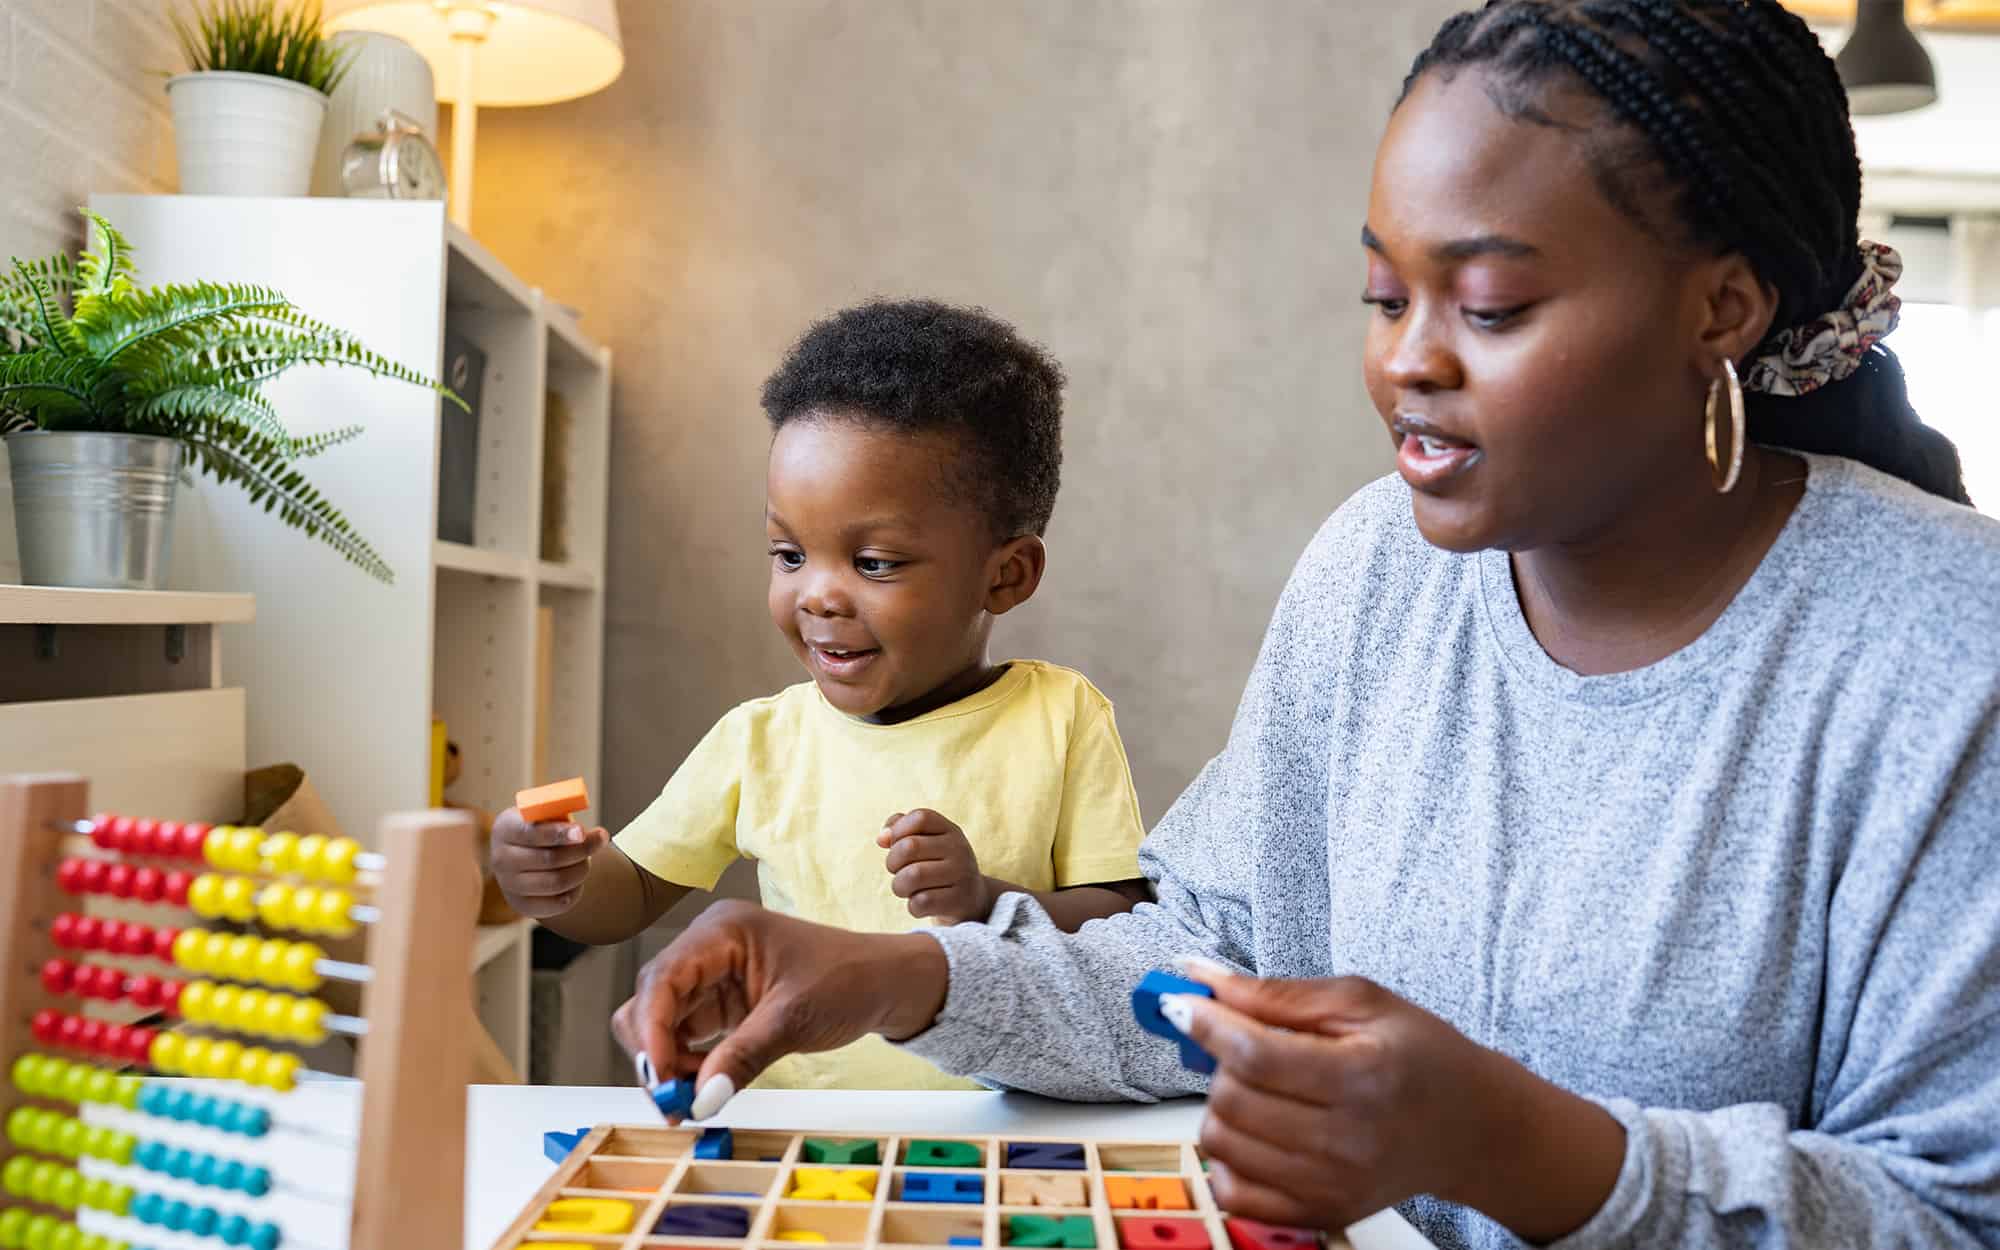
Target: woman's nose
point(1420, 357)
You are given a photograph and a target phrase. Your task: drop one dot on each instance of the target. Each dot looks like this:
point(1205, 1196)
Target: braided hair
point(1735, 137)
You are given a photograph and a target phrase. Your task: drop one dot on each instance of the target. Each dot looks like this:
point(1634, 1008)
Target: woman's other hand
point(1333, 1099)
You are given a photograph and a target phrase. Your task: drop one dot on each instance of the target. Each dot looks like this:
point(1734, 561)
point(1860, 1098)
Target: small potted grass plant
point(248, 112)
point(110, 390)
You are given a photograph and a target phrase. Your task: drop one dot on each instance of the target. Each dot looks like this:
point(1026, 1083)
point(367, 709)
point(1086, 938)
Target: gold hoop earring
point(1727, 480)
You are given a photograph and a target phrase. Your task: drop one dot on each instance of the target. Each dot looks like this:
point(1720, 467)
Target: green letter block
point(942, 1154)
point(1070, 1232)
point(843, 1153)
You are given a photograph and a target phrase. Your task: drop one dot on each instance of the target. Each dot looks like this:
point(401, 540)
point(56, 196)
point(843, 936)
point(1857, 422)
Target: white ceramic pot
point(383, 73)
point(244, 134)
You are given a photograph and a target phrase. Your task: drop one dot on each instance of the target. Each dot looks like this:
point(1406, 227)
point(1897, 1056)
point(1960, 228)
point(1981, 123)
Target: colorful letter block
point(941, 1154)
point(846, 1153)
point(825, 1185)
point(715, 1143)
point(943, 1187)
point(1042, 1191)
point(1152, 1193)
point(704, 1221)
point(1162, 1235)
point(1251, 1235)
point(556, 1145)
point(1069, 1232)
point(1146, 1008)
point(586, 1215)
point(1049, 1156)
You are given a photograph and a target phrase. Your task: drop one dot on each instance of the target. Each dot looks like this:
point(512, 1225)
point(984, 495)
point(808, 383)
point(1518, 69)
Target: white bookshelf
point(343, 674)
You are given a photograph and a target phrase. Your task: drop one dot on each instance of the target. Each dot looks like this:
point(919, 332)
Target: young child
point(913, 467)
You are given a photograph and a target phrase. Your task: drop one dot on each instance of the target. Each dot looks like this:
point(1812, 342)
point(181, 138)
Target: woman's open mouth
point(1427, 458)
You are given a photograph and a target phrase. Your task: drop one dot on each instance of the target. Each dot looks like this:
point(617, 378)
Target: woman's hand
point(770, 986)
point(933, 865)
point(1334, 1099)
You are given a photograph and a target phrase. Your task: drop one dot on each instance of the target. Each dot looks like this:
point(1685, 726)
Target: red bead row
point(108, 984)
point(166, 839)
point(120, 880)
point(73, 932)
point(127, 1043)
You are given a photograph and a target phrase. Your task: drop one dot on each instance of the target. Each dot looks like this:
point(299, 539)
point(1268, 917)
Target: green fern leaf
point(49, 388)
point(52, 327)
point(235, 456)
point(314, 444)
point(115, 326)
point(18, 304)
point(235, 405)
point(106, 266)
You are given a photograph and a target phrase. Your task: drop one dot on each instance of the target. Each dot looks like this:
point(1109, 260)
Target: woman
point(1608, 823)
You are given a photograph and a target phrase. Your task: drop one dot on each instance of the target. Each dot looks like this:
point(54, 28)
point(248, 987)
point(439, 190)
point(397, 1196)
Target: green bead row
point(53, 1133)
point(45, 1076)
point(28, 1230)
point(54, 1185)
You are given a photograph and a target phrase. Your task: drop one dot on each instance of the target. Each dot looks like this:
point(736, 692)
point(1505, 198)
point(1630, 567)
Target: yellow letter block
point(586, 1215)
point(826, 1185)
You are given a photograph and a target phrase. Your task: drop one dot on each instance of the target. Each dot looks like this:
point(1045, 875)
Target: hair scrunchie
point(1831, 346)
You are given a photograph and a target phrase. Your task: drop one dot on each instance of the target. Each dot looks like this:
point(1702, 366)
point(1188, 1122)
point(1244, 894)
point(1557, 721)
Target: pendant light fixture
point(1883, 67)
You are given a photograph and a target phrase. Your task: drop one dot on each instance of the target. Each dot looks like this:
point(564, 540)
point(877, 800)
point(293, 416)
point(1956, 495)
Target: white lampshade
point(531, 52)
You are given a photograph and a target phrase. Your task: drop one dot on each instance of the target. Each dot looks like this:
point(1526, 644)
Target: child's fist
point(932, 865)
point(541, 867)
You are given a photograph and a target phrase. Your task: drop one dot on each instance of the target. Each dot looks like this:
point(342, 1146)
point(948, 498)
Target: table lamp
point(501, 53)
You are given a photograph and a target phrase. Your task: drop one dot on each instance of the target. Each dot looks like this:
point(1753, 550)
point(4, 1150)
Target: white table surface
point(312, 1152)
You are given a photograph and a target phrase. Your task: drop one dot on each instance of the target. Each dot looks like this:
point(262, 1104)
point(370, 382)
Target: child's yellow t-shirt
point(1031, 768)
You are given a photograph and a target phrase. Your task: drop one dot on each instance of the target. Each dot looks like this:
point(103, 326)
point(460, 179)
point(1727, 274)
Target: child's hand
point(541, 868)
point(934, 867)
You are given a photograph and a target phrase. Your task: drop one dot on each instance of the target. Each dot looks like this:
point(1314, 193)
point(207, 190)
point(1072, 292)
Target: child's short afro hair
point(918, 366)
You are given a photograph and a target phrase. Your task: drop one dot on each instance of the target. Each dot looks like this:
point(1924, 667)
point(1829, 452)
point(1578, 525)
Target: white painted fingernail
point(1178, 1009)
point(642, 1065)
point(719, 1090)
point(1203, 966)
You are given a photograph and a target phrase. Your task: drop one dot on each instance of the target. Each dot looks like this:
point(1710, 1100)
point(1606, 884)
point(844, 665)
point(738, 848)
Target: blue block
point(1146, 1007)
point(714, 1143)
point(673, 1098)
point(964, 1241)
point(705, 1221)
point(556, 1146)
point(1046, 1155)
point(943, 1187)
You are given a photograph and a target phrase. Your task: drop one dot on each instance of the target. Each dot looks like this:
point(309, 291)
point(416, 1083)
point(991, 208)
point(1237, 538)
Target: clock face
point(419, 172)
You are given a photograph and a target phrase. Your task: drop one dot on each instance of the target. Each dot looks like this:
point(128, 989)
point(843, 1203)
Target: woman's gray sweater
point(1747, 897)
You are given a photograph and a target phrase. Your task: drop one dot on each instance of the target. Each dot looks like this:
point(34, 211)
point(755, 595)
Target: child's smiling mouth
point(841, 661)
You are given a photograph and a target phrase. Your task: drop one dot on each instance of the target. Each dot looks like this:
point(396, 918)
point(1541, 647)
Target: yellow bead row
point(240, 957)
point(314, 856)
point(278, 904)
point(222, 1059)
point(284, 1017)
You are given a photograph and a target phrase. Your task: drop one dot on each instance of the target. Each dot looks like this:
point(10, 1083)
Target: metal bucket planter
point(94, 511)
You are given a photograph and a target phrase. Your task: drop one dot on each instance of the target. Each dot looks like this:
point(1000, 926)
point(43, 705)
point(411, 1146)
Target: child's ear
point(1017, 570)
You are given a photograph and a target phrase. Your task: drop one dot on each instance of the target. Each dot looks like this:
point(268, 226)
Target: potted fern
point(110, 390)
point(247, 115)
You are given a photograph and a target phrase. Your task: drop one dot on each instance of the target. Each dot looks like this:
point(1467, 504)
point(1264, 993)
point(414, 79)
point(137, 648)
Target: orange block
point(555, 801)
point(1146, 1193)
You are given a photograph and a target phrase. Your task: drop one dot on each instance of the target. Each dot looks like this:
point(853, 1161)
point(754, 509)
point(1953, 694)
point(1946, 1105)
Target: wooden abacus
point(418, 899)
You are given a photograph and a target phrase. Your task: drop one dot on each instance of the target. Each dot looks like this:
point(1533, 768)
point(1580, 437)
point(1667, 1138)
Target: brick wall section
point(83, 108)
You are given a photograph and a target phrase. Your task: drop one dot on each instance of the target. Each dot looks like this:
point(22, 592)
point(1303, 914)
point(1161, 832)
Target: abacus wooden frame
point(415, 1063)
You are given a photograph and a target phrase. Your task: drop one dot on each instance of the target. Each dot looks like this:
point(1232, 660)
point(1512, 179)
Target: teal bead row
point(203, 1168)
point(225, 1114)
point(200, 1221)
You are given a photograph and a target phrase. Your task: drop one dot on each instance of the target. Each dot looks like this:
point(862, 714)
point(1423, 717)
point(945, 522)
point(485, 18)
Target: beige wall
point(1166, 193)
point(83, 107)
